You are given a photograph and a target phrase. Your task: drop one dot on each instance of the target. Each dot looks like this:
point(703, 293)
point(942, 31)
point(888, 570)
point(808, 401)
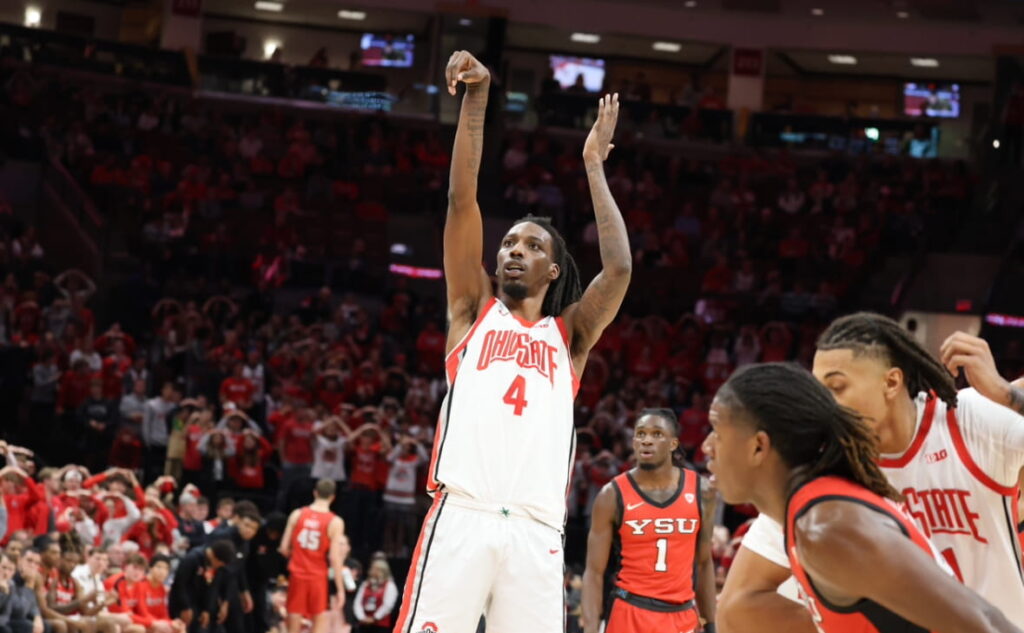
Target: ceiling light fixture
point(817, 12)
point(689, 4)
point(585, 38)
point(667, 47)
point(33, 17)
point(903, 15)
point(345, 14)
point(844, 60)
point(924, 62)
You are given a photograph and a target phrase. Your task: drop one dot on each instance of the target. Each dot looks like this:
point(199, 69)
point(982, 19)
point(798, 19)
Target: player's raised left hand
point(972, 354)
point(599, 141)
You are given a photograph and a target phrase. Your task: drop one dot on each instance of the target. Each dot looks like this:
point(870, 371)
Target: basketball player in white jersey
point(491, 543)
point(957, 457)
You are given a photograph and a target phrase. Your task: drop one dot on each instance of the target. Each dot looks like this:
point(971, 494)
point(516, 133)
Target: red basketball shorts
point(628, 618)
point(307, 596)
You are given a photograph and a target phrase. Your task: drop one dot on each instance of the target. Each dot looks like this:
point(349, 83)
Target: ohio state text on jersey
point(970, 517)
point(505, 433)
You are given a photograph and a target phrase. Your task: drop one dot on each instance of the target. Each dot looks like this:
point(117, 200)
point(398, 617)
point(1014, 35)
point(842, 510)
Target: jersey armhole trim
point(915, 446)
point(568, 352)
point(619, 508)
point(452, 360)
point(858, 606)
point(972, 466)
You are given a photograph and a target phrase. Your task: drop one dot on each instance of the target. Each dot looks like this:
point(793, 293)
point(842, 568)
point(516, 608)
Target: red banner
point(747, 62)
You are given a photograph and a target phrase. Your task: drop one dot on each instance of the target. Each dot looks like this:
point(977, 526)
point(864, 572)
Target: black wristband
point(709, 627)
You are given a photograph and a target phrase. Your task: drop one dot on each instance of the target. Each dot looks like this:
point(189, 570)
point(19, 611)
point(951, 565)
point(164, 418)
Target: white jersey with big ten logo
point(505, 434)
point(959, 477)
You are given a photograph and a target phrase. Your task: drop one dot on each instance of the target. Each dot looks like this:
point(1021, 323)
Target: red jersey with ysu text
point(310, 543)
point(865, 616)
point(657, 542)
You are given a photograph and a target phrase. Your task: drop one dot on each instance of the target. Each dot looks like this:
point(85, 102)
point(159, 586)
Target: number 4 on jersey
point(516, 395)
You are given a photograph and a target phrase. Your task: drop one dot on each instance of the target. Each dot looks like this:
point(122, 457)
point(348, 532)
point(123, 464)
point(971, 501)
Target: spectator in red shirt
point(371, 446)
point(199, 424)
point(124, 586)
point(250, 460)
point(794, 246)
point(693, 422)
point(74, 387)
point(151, 607)
point(237, 388)
point(430, 347)
point(295, 447)
point(364, 387)
point(330, 394)
point(118, 481)
point(718, 279)
point(126, 449)
point(150, 532)
point(20, 494)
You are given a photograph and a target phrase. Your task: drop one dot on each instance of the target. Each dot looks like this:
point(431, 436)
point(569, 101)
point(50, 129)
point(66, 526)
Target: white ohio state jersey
point(505, 435)
point(959, 477)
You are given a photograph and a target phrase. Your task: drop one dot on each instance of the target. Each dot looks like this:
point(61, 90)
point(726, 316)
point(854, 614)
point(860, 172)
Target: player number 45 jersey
point(310, 543)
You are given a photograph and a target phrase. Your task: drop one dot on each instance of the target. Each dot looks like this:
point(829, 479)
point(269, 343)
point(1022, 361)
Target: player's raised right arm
point(599, 547)
point(468, 284)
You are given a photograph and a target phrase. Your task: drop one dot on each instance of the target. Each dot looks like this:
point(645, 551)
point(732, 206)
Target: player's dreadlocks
point(566, 290)
point(814, 434)
point(870, 333)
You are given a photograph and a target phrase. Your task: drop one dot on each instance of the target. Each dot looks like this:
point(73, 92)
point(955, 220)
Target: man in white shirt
point(155, 428)
point(90, 579)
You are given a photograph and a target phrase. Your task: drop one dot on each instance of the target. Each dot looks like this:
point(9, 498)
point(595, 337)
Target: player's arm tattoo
point(463, 230)
point(602, 299)
point(469, 144)
point(1017, 399)
point(476, 102)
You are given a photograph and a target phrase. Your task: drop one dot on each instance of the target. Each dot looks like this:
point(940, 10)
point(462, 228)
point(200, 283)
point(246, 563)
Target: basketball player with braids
point(491, 542)
point(780, 440)
point(956, 457)
point(649, 524)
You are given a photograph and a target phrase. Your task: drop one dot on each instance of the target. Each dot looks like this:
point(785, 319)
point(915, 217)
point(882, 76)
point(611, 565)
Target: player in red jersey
point(650, 522)
point(313, 535)
point(780, 441)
